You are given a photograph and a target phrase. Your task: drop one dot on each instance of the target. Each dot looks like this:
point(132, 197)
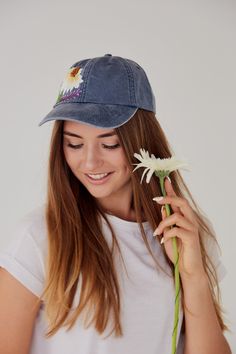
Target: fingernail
point(162, 240)
point(168, 178)
point(157, 199)
point(156, 232)
point(162, 209)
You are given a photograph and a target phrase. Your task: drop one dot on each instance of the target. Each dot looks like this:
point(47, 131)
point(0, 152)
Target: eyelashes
point(76, 147)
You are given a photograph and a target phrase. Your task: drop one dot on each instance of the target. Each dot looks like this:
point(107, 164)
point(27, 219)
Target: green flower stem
point(177, 283)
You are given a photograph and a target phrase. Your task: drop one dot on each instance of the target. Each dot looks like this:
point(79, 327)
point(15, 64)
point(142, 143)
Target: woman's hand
point(186, 232)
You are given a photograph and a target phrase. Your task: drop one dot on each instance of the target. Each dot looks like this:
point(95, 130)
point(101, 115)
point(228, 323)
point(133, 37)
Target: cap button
point(108, 55)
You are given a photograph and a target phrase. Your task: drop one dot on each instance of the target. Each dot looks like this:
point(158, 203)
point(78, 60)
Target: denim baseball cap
point(103, 91)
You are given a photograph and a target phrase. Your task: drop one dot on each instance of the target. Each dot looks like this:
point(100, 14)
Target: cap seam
point(130, 80)
point(90, 65)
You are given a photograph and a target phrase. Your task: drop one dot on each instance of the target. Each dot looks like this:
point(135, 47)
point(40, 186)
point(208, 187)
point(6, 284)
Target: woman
point(95, 280)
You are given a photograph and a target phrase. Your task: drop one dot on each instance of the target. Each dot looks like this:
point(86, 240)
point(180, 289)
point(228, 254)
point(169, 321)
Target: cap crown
point(107, 80)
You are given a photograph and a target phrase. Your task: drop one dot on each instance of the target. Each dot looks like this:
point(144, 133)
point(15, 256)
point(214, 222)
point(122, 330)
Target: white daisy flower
point(161, 167)
point(72, 80)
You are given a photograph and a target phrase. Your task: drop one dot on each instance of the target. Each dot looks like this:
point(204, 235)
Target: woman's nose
point(91, 159)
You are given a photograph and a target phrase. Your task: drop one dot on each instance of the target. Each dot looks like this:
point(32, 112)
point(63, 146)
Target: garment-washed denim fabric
point(104, 92)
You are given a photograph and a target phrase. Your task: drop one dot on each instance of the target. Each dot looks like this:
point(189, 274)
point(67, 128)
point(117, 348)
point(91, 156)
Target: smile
point(100, 178)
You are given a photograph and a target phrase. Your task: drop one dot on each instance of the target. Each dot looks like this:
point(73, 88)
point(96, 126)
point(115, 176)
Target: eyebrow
point(99, 136)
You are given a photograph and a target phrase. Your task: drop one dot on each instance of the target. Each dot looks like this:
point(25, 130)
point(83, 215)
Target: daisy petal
point(149, 175)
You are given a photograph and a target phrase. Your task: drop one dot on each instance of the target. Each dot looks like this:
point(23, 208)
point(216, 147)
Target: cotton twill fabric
point(147, 295)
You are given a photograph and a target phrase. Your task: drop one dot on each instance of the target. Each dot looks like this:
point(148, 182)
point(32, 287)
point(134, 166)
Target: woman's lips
point(99, 181)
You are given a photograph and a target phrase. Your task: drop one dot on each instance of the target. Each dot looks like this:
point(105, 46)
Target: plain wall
point(188, 50)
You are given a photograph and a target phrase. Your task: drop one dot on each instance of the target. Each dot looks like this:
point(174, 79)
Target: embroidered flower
point(70, 85)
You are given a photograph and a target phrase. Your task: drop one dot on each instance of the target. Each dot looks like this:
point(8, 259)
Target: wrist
point(199, 278)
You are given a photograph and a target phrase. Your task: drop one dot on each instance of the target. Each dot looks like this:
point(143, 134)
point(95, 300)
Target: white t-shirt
point(147, 296)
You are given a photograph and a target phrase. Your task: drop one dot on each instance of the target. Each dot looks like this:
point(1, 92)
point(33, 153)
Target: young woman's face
point(87, 153)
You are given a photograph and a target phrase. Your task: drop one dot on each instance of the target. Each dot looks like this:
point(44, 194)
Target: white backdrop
point(188, 50)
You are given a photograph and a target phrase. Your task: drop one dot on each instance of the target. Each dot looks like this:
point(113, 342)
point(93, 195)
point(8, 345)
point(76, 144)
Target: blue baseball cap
point(104, 92)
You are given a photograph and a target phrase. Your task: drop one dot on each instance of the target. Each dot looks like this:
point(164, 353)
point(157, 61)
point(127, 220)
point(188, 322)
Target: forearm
point(203, 334)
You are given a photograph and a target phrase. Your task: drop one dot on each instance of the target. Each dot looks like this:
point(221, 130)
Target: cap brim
point(95, 114)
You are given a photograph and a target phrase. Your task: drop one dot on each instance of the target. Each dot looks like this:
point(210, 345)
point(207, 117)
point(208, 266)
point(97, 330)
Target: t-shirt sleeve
point(23, 258)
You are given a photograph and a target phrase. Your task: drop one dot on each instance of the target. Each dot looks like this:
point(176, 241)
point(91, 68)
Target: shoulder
point(32, 223)
point(35, 218)
point(28, 234)
point(26, 249)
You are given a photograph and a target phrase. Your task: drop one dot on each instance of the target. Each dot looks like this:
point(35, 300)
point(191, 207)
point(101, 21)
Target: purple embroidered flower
point(70, 94)
point(70, 86)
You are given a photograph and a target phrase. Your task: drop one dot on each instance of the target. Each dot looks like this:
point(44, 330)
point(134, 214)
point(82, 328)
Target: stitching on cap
point(131, 80)
point(87, 67)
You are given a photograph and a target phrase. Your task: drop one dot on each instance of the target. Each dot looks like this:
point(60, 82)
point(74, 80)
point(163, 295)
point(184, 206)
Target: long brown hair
point(78, 254)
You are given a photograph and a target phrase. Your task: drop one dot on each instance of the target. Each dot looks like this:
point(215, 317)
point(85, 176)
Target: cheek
point(124, 163)
point(125, 167)
point(121, 163)
point(70, 159)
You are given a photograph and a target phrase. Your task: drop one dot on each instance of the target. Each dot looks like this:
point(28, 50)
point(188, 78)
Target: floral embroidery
point(70, 86)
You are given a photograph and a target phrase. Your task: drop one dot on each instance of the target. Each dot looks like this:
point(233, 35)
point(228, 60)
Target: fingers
point(177, 202)
point(173, 220)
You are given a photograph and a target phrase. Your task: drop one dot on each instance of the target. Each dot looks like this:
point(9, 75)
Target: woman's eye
point(105, 146)
point(74, 146)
